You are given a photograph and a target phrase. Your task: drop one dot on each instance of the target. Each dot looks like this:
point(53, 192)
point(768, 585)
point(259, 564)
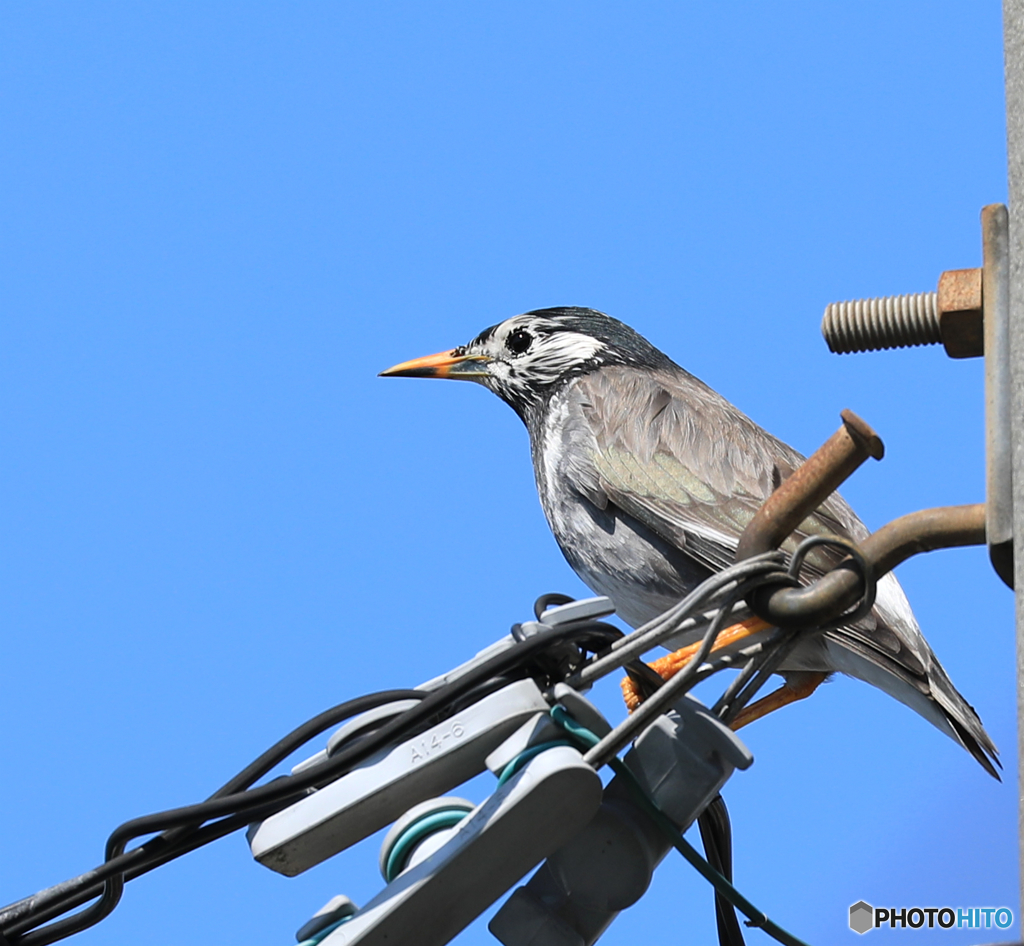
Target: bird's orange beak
point(445, 364)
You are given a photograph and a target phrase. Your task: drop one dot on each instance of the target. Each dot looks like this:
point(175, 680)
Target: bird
point(647, 478)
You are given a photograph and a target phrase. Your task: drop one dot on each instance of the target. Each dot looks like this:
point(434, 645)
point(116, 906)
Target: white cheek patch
point(574, 346)
point(560, 352)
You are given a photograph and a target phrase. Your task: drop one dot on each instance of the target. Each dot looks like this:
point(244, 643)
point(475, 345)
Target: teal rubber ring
point(520, 760)
point(416, 832)
point(561, 716)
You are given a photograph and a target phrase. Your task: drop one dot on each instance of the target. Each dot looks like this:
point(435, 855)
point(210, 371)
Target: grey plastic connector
point(684, 757)
point(543, 729)
point(681, 760)
point(337, 908)
point(538, 729)
point(581, 709)
point(367, 721)
point(586, 609)
point(357, 724)
point(528, 918)
point(379, 790)
point(547, 802)
point(581, 888)
point(461, 670)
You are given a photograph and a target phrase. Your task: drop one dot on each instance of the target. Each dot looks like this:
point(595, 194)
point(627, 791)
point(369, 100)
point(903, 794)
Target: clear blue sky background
point(221, 220)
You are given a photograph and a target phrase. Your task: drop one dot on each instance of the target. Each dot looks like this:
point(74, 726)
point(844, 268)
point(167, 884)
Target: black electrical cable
point(25, 914)
point(299, 736)
point(236, 804)
point(716, 836)
point(234, 801)
point(195, 840)
point(600, 638)
point(552, 600)
point(550, 654)
point(645, 678)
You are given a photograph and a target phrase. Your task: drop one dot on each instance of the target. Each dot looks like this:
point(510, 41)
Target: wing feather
point(684, 474)
point(694, 470)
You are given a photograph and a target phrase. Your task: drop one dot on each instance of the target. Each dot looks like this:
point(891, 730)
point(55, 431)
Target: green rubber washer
point(415, 826)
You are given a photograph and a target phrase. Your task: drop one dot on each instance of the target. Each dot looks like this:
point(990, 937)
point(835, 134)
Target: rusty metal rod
point(922, 531)
point(812, 483)
point(943, 527)
point(802, 493)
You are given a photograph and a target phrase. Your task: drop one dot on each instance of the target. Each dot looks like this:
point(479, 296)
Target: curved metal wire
point(864, 567)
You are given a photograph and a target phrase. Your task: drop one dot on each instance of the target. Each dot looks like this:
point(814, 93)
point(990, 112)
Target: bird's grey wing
point(676, 456)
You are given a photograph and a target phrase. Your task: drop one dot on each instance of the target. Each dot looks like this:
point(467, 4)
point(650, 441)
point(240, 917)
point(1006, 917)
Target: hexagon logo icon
point(861, 917)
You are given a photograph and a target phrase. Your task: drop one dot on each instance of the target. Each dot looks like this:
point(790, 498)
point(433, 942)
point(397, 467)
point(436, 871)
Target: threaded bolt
point(888, 322)
point(953, 316)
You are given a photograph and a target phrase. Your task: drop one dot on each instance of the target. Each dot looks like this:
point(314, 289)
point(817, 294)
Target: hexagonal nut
point(959, 307)
point(861, 917)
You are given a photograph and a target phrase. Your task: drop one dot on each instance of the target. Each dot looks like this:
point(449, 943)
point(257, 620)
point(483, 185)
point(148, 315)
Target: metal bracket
point(970, 315)
point(995, 292)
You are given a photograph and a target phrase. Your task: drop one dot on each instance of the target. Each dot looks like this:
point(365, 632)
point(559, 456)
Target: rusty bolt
point(959, 305)
point(952, 316)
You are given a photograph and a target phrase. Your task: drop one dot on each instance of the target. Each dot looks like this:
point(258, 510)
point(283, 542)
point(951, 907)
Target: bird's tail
point(963, 720)
point(920, 683)
point(888, 650)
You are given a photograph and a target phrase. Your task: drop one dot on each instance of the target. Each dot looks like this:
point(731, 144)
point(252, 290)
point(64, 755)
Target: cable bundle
point(553, 655)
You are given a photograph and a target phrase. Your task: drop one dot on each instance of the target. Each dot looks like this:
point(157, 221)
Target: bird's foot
point(798, 686)
point(669, 665)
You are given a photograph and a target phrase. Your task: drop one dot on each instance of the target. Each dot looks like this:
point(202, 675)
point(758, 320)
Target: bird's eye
point(519, 341)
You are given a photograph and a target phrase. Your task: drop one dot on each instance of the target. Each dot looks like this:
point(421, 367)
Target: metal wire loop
point(856, 558)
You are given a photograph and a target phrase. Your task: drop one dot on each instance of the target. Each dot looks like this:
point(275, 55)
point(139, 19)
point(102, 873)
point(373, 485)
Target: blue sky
point(220, 221)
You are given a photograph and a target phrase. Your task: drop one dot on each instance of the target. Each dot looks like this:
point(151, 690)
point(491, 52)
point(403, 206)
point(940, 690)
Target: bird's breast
point(613, 553)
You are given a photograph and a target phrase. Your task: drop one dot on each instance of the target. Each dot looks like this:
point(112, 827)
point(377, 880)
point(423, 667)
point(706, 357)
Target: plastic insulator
point(888, 322)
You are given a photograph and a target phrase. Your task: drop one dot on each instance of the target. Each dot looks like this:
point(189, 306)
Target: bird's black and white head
point(526, 358)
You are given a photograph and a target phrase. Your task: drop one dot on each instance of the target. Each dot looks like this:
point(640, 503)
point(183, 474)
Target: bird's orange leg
point(798, 687)
point(669, 665)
